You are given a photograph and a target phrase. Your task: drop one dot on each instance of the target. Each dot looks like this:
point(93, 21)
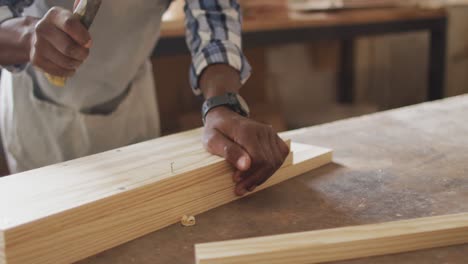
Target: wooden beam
point(340, 243)
point(2, 248)
point(69, 211)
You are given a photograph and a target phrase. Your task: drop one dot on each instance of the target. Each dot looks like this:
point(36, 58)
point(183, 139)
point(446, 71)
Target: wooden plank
point(69, 211)
point(339, 243)
point(418, 168)
point(2, 248)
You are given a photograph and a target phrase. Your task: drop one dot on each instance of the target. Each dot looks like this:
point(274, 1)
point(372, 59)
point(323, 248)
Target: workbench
point(395, 165)
point(271, 24)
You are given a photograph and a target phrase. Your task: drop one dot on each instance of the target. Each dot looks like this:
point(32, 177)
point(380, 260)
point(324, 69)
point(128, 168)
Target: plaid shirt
point(213, 34)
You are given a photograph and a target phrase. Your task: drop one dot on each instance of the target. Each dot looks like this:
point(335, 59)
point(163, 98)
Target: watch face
point(243, 104)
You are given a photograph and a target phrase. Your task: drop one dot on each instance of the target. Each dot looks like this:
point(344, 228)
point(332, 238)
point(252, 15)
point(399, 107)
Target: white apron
point(37, 132)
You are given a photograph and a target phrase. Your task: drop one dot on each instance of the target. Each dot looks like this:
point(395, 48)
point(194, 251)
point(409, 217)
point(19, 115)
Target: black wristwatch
point(231, 100)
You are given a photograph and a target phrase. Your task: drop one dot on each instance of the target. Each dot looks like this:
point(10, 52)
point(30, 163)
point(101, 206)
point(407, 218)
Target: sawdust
point(188, 220)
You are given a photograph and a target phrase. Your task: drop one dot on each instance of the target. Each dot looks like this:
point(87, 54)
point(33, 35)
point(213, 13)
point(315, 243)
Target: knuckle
point(69, 49)
point(72, 64)
point(28, 20)
point(268, 130)
point(237, 119)
point(267, 127)
point(243, 126)
point(209, 141)
point(206, 142)
point(53, 11)
point(79, 53)
point(68, 23)
point(228, 151)
point(40, 27)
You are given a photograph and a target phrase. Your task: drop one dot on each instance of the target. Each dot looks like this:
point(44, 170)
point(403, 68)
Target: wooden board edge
point(183, 178)
point(2, 247)
point(340, 244)
point(162, 219)
point(125, 187)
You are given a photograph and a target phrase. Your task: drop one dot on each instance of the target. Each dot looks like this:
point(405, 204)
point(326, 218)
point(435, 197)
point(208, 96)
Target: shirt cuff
point(218, 52)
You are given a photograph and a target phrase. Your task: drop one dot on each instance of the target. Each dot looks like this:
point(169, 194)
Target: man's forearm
point(15, 40)
point(219, 79)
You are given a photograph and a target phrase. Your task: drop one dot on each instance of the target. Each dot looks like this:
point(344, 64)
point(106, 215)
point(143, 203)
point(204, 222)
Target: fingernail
point(242, 163)
point(251, 189)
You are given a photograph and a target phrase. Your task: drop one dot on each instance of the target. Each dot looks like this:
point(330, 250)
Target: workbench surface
point(406, 163)
point(276, 16)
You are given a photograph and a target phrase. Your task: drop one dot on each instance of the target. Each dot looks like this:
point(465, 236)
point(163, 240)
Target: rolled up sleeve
point(214, 37)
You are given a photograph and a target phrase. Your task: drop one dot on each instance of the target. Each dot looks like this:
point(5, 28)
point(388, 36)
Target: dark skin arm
point(15, 40)
point(253, 148)
point(58, 43)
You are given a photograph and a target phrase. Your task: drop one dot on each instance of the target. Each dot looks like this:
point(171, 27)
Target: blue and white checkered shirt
point(213, 34)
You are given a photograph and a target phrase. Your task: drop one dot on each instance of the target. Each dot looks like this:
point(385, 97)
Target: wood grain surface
point(390, 166)
point(69, 211)
point(339, 243)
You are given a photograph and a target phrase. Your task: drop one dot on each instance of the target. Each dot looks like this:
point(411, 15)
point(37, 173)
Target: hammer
point(86, 10)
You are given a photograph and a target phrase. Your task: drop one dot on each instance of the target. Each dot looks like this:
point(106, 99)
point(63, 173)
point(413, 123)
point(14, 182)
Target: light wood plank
point(2, 248)
point(69, 211)
point(340, 243)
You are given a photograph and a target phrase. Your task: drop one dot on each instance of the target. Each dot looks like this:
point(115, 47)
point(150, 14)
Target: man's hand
point(60, 43)
point(254, 149)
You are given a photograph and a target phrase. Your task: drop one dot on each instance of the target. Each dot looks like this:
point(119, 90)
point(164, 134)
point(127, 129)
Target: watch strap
point(229, 100)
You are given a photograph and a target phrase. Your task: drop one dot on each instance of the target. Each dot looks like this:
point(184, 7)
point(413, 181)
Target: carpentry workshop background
point(380, 83)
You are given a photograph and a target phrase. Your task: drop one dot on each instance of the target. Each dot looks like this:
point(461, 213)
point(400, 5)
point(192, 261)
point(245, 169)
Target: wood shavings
point(188, 220)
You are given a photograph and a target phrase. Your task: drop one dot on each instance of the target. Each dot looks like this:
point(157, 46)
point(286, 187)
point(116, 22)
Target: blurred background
point(317, 61)
point(300, 82)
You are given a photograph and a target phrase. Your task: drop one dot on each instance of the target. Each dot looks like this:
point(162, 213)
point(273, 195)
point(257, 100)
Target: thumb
point(218, 144)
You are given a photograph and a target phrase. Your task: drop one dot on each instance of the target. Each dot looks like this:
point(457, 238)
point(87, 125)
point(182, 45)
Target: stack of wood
point(311, 5)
